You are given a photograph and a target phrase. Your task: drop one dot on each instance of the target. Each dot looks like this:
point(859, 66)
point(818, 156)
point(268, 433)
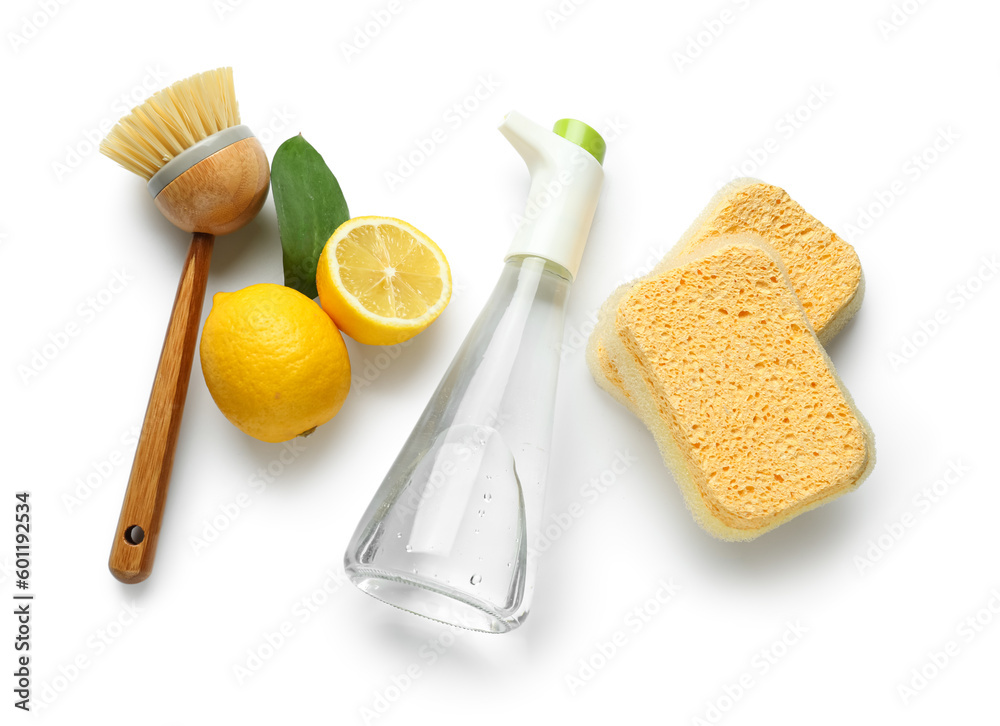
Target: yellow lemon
point(382, 280)
point(274, 362)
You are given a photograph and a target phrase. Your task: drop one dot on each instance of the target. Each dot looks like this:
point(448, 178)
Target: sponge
point(824, 269)
point(724, 368)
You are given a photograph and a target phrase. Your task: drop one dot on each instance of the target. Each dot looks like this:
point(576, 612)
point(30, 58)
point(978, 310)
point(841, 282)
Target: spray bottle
point(448, 533)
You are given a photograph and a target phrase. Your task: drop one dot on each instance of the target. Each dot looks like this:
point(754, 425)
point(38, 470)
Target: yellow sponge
point(824, 269)
point(724, 368)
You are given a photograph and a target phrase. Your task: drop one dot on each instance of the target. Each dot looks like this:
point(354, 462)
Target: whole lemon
point(275, 363)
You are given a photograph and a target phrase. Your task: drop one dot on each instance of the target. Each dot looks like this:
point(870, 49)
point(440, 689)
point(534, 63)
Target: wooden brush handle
point(142, 510)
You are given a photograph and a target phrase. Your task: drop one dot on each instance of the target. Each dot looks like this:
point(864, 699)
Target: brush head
point(173, 120)
point(205, 171)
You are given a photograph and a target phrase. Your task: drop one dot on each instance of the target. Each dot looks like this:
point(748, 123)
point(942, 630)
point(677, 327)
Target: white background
point(71, 219)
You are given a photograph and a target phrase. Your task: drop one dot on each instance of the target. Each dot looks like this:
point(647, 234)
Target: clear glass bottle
point(447, 534)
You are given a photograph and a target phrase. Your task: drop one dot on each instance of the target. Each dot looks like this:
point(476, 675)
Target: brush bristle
point(172, 120)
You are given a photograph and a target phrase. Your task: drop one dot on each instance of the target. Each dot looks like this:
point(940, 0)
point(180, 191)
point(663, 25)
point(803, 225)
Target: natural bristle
point(172, 120)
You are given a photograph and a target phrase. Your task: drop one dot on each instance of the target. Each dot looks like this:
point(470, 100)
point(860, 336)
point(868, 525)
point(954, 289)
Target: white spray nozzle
point(566, 176)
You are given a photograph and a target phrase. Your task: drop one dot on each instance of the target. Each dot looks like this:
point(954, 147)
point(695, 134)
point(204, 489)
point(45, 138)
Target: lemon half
point(382, 280)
